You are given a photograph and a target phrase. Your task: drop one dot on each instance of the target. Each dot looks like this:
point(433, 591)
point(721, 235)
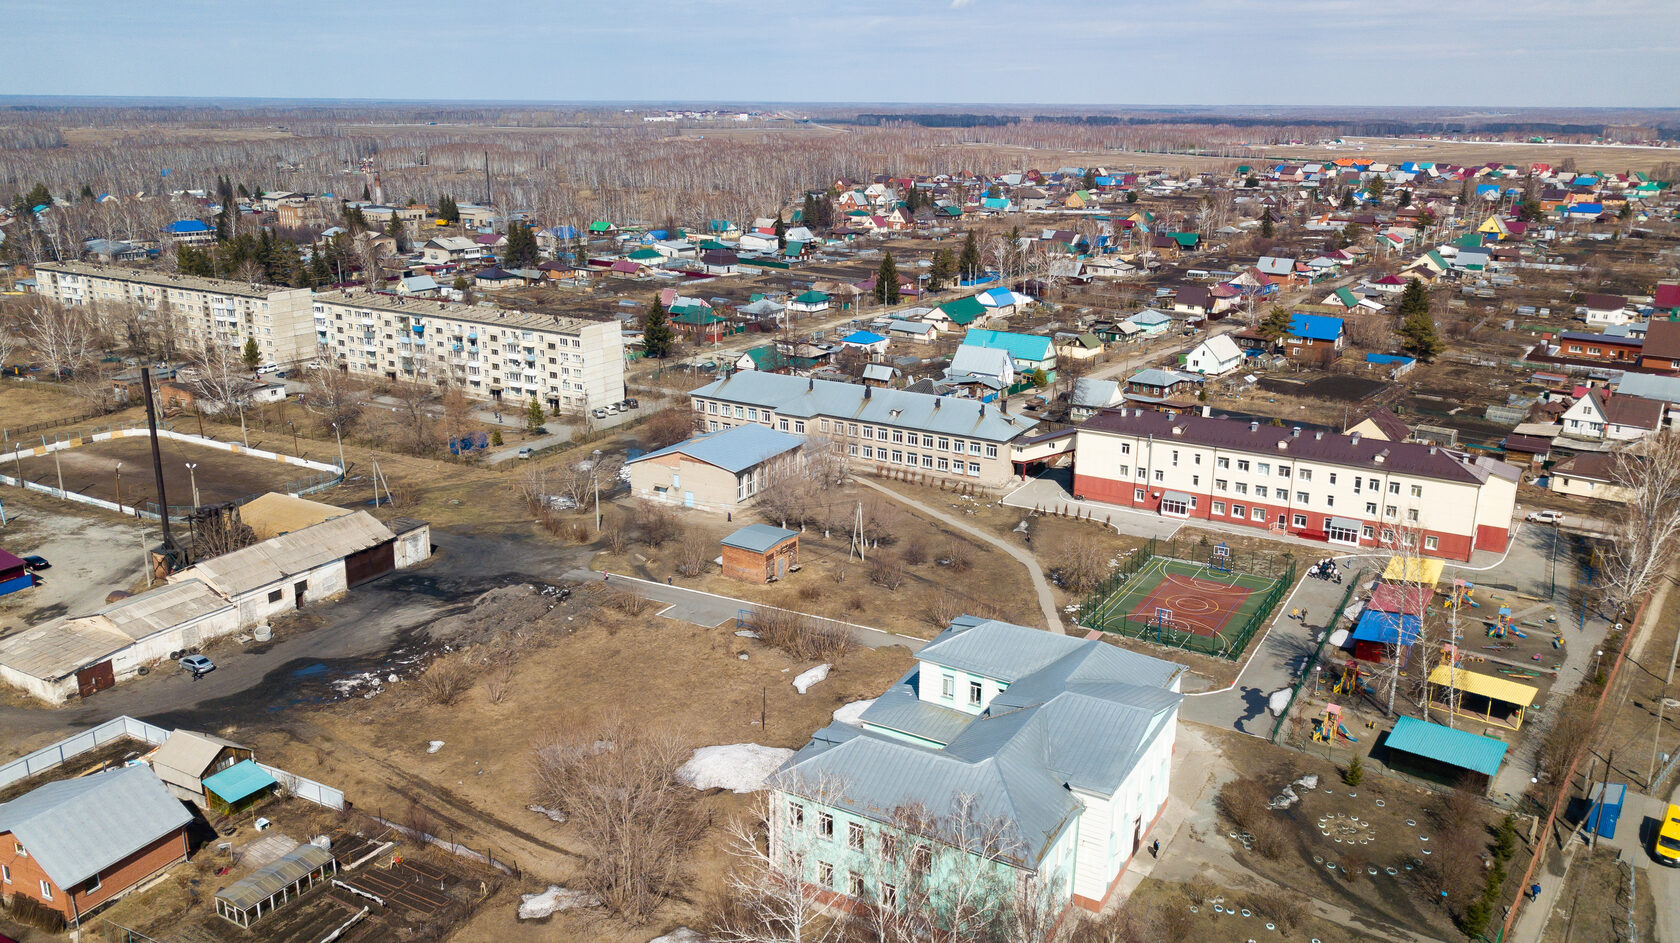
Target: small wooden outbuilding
point(759, 553)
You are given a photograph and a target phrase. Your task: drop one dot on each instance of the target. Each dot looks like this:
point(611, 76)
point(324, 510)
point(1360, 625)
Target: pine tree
point(1374, 189)
point(1252, 182)
point(968, 264)
point(657, 338)
point(886, 281)
point(366, 196)
point(808, 212)
point(533, 416)
point(940, 272)
point(447, 210)
point(1267, 230)
point(521, 248)
point(1404, 199)
point(397, 231)
point(1417, 325)
point(1275, 325)
point(251, 355)
point(1089, 181)
point(1131, 196)
point(781, 232)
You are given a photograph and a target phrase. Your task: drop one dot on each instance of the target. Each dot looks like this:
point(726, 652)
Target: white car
point(1546, 517)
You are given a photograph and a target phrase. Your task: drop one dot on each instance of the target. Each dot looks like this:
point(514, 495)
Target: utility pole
point(1662, 702)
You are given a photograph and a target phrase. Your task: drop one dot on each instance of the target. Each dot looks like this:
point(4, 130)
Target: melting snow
point(738, 767)
point(807, 678)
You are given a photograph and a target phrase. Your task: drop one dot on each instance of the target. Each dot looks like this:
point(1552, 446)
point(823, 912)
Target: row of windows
point(1266, 468)
point(856, 430)
point(1244, 512)
point(911, 459)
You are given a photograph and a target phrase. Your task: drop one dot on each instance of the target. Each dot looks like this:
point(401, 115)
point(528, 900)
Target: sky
point(1514, 53)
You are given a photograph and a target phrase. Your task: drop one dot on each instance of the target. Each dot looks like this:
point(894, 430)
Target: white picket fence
point(118, 728)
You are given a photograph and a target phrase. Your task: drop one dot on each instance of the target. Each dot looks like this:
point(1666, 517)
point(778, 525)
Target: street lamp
point(1596, 656)
point(192, 468)
point(340, 440)
point(119, 487)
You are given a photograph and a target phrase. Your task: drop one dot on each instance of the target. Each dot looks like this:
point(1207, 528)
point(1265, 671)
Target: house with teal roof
point(1029, 351)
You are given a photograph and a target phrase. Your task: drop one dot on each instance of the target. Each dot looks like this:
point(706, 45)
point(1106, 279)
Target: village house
point(1601, 416)
point(1216, 356)
point(1314, 339)
point(714, 471)
point(1588, 475)
point(1030, 351)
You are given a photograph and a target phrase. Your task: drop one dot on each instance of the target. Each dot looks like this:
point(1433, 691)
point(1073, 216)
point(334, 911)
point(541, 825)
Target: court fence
point(1308, 670)
point(1105, 610)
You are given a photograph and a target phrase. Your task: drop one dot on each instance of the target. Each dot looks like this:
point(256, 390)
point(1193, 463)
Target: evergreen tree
point(1417, 326)
point(808, 211)
point(657, 338)
point(1413, 299)
point(1375, 189)
point(943, 267)
point(447, 210)
point(397, 231)
point(366, 196)
point(1352, 233)
point(1267, 230)
point(886, 281)
point(1039, 378)
point(319, 273)
point(533, 416)
point(1347, 199)
point(1089, 181)
point(1275, 325)
point(1404, 199)
point(781, 232)
point(244, 192)
point(1252, 182)
point(87, 193)
point(1131, 196)
point(968, 263)
point(521, 248)
point(38, 195)
point(251, 355)
point(1464, 191)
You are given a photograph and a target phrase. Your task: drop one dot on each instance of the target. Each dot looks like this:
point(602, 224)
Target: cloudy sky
point(1221, 52)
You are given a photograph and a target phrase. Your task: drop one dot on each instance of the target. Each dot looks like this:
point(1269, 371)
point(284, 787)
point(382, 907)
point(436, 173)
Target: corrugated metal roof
point(801, 397)
point(1488, 686)
point(1454, 747)
point(734, 449)
point(1386, 628)
point(185, 756)
point(1020, 346)
point(76, 828)
point(271, 878)
point(1076, 713)
point(238, 781)
point(758, 538)
point(275, 559)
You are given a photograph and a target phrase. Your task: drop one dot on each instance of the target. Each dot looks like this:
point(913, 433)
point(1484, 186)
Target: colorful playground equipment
point(1504, 625)
point(1352, 681)
point(1463, 594)
point(1328, 727)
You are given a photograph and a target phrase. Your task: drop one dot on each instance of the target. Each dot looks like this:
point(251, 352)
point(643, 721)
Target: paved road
point(1046, 598)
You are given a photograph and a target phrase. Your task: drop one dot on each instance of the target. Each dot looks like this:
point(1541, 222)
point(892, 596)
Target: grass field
point(91, 469)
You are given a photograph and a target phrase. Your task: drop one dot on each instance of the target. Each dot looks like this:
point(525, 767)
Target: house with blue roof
point(1030, 351)
point(867, 341)
point(721, 471)
point(189, 232)
point(1057, 749)
point(1314, 339)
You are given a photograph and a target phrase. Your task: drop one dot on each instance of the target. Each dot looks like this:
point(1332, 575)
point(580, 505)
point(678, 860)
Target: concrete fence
point(310, 485)
point(125, 727)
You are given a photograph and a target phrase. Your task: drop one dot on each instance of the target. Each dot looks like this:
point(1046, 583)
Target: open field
point(92, 469)
point(1609, 158)
point(32, 401)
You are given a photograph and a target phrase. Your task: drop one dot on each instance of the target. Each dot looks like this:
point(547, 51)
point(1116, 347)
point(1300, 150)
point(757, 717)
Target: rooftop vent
point(1253, 427)
point(1178, 430)
point(1295, 433)
point(1432, 450)
point(1319, 434)
point(811, 385)
point(1356, 438)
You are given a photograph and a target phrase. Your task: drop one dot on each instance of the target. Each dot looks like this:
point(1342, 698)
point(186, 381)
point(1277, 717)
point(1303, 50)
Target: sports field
point(1184, 604)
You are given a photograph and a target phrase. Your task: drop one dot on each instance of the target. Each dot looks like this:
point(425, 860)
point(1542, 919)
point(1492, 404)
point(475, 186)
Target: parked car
point(631, 402)
point(599, 412)
point(36, 562)
point(198, 664)
point(1546, 517)
point(268, 368)
point(1666, 843)
point(526, 451)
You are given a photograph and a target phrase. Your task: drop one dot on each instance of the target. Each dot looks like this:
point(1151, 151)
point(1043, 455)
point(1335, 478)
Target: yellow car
point(1667, 845)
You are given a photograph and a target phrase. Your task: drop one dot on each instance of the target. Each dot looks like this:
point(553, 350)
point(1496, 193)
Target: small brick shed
point(759, 553)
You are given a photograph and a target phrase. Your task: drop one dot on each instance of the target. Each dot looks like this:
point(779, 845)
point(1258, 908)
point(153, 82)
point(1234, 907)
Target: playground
point(1204, 606)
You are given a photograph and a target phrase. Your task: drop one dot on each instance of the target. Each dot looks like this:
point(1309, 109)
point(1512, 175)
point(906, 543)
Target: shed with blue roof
point(723, 470)
point(1443, 754)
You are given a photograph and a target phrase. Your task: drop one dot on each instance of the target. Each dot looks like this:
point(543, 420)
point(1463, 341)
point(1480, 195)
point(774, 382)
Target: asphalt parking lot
point(92, 553)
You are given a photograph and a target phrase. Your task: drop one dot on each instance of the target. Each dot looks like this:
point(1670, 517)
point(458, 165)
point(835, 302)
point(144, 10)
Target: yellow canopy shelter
point(1424, 570)
point(1487, 698)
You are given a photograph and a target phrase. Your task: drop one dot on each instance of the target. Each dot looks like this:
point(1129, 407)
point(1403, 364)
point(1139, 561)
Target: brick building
point(759, 553)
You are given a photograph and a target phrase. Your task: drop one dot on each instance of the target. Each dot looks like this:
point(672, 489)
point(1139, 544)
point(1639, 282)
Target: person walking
point(1155, 848)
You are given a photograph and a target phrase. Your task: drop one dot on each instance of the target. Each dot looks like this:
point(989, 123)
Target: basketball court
point(1170, 597)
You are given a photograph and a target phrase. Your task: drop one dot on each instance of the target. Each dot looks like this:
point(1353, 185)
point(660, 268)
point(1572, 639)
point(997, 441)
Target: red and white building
point(1348, 490)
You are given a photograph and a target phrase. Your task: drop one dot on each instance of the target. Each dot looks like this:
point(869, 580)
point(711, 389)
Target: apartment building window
point(974, 448)
point(944, 464)
point(1306, 474)
point(782, 424)
point(1238, 510)
point(1124, 470)
point(956, 445)
point(991, 451)
point(1300, 520)
point(1332, 477)
point(796, 816)
point(898, 456)
point(1219, 507)
point(1412, 514)
point(1175, 458)
point(869, 451)
point(1242, 487)
point(910, 458)
point(880, 433)
point(854, 835)
point(822, 424)
point(1220, 484)
point(1417, 491)
point(1242, 464)
point(898, 436)
point(889, 894)
point(1195, 481)
point(1394, 487)
point(1431, 543)
point(1137, 494)
point(1198, 457)
point(1329, 500)
point(944, 444)
point(1259, 514)
point(927, 461)
point(1125, 448)
point(1222, 463)
point(1142, 472)
point(854, 884)
point(1301, 498)
point(1264, 468)
point(852, 429)
point(1391, 511)
point(799, 426)
point(1283, 471)
point(851, 448)
point(1356, 481)
point(927, 442)
point(825, 874)
point(974, 692)
point(1261, 491)
point(974, 469)
point(825, 825)
point(1160, 475)
point(738, 412)
point(948, 687)
point(1367, 531)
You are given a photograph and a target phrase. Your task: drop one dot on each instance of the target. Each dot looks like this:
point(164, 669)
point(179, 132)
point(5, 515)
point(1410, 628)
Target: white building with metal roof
point(1055, 750)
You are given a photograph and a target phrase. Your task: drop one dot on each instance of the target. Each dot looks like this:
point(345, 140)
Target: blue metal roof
point(798, 397)
point(183, 226)
point(862, 337)
point(238, 781)
point(1317, 327)
point(1385, 627)
point(758, 538)
point(735, 449)
point(1446, 745)
point(1029, 347)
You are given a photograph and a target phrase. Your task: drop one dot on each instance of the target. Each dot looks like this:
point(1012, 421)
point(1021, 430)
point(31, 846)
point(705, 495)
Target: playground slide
point(1342, 731)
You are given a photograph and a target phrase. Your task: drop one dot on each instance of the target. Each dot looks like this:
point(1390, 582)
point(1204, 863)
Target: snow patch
point(681, 935)
point(746, 633)
point(1338, 638)
point(552, 815)
point(1278, 700)
point(807, 678)
point(738, 767)
point(553, 900)
point(434, 746)
point(850, 713)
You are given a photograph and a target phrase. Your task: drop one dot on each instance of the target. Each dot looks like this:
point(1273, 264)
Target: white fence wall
point(118, 728)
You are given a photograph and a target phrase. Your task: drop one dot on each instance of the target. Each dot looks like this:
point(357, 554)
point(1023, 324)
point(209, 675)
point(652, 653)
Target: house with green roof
point(959, 313)
point(602, 226)
point(809, 302)
point(1007, 760)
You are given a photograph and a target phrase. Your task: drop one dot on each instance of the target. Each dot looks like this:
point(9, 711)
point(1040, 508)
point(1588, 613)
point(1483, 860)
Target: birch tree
point(1644, 528)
